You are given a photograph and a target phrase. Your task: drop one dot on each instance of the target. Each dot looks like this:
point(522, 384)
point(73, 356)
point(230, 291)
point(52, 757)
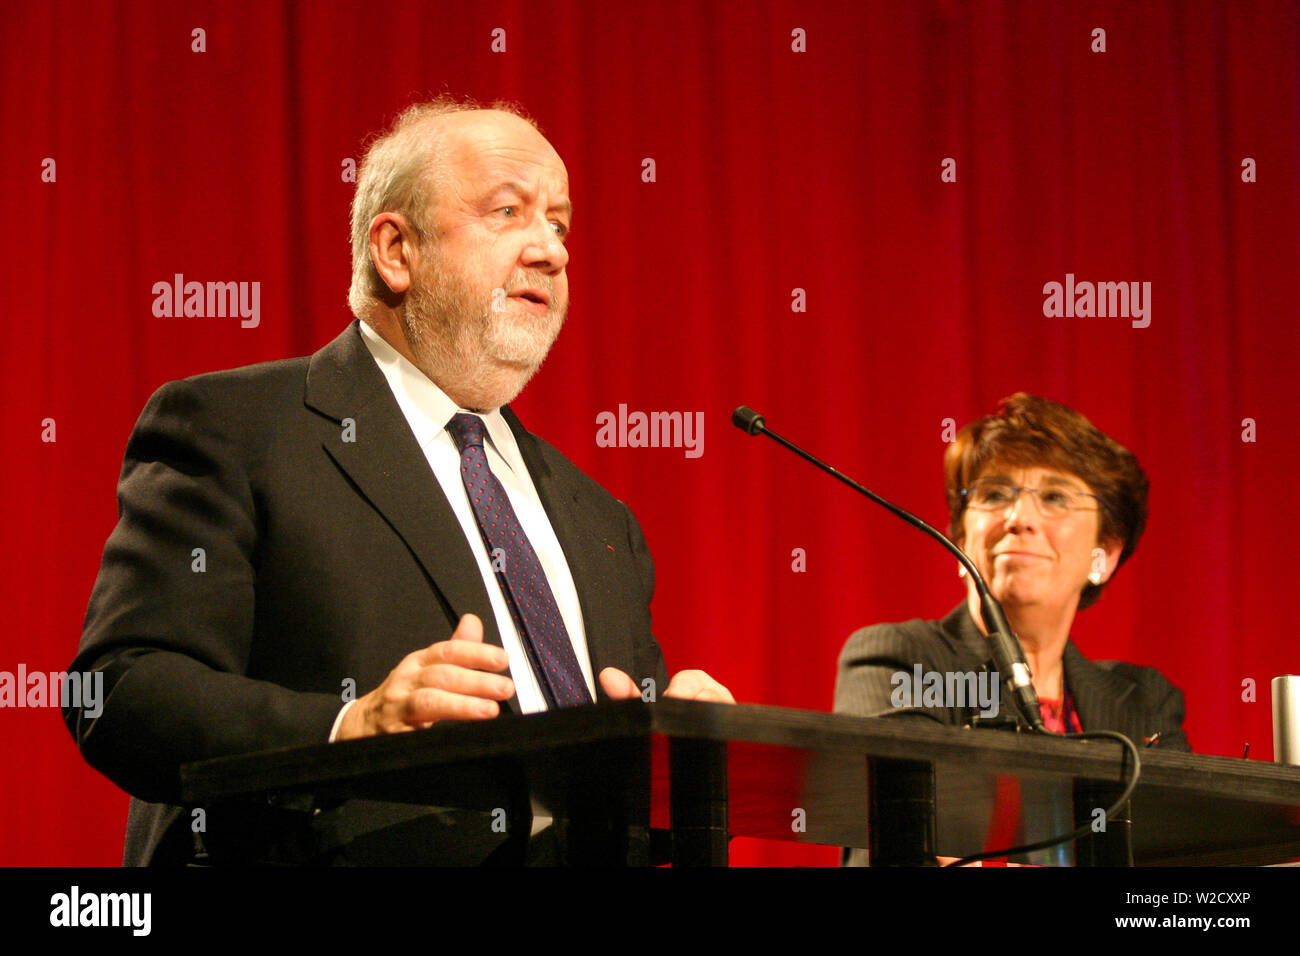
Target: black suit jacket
point(280, 534)
point(1108, 695)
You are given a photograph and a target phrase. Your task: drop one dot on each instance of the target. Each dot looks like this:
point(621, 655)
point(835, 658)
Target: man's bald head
point(403, 170)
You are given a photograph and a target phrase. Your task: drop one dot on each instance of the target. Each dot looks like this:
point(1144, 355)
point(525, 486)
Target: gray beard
point(480, 358)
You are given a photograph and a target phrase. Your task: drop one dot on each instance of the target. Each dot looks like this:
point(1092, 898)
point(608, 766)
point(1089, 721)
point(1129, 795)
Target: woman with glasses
point(1048, 508)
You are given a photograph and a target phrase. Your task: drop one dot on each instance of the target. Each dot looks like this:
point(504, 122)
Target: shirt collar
point(427, 407)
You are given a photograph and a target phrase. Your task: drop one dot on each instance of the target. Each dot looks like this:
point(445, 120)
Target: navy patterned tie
point(532, 605)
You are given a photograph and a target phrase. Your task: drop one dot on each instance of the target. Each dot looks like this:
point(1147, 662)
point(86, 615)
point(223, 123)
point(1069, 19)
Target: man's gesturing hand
point(450, 680)
point(688, 685)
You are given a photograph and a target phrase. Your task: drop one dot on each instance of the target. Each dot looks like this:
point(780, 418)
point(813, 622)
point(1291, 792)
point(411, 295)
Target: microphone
point(1008, 655)
point(747, 420)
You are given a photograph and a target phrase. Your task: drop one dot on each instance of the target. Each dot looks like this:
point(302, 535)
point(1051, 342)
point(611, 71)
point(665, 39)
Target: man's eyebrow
point(520, 189)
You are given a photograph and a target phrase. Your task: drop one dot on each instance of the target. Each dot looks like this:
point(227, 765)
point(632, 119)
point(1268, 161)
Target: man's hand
point(450, 680)
point(687, 685)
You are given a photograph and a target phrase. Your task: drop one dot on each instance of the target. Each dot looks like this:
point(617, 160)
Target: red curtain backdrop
point(775, 170)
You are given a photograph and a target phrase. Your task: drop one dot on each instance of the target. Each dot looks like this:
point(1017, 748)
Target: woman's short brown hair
point(1033, 432)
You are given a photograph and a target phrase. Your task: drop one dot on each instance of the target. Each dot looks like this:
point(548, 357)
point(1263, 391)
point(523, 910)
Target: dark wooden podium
point(635, 783)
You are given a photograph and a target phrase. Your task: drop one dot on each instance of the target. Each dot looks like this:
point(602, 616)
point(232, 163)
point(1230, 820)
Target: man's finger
point(469, 628)
point(430, 704)
point(482, 657)
point(618, 685)
point(697, 685)
point(465, 647)
point(463, 680)
point(717, 694)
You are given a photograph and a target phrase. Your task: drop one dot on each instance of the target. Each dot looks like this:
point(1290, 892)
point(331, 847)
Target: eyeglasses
point(994, 494)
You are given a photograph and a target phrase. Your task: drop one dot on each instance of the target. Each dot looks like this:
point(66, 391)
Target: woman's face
point(1033, 559)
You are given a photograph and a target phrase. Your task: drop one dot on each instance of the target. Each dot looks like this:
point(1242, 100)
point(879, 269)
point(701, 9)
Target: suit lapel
point(1099, 696)
point(388, 468)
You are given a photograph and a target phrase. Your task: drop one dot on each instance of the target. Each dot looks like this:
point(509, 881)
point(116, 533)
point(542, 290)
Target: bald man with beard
point(350, 529)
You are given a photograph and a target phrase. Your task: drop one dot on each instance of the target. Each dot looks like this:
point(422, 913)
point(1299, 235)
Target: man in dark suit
point(373, 519)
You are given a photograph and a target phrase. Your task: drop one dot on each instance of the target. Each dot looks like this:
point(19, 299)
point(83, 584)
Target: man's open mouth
point(533, 295)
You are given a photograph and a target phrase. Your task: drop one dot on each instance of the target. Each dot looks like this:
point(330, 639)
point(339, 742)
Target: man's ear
point(392, 250)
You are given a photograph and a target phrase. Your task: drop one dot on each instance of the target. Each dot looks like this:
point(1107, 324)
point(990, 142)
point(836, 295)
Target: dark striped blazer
point(1107, 695)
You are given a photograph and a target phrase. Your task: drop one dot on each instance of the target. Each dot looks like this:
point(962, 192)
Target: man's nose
point(544, 250)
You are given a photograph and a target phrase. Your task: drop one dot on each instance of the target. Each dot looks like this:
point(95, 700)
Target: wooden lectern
point(637, 783)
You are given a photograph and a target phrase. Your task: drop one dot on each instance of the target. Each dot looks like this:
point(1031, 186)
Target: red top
point(1054, 713)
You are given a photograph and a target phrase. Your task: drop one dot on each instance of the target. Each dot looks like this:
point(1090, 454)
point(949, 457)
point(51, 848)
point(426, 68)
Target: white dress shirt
point(428, 410)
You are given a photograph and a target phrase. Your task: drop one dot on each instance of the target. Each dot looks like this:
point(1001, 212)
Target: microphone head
point(747, 420)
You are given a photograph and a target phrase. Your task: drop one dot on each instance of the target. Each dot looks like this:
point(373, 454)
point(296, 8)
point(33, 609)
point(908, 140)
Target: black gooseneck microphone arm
point(1008, 655)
